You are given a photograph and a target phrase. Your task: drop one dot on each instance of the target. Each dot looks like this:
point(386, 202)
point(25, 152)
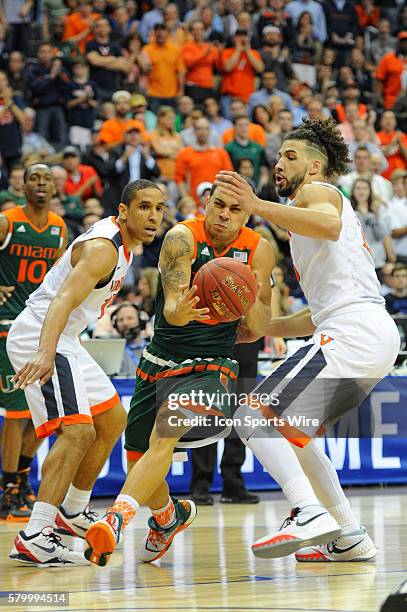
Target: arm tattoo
point(175, 251)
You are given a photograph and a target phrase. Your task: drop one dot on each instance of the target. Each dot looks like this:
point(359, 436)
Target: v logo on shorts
point(325, 339)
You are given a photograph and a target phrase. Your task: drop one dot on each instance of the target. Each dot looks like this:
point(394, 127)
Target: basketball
point(227, 287)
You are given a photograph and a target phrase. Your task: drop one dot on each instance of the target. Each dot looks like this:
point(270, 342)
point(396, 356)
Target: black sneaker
point(202, 498)
point(240, 497)
point(26, 490)
point(12, 506)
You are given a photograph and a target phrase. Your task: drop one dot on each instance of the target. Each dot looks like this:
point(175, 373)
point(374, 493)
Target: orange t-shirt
point(200, 60)
point(340, 111)
point(198, 166)
point(114, 130)
point(240, 82)
point(166, 60)
point(256, 133)
point(75, 24)
point(390, 70)
point(395, 158)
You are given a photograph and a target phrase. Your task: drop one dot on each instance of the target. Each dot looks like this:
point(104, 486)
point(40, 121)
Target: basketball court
point(211, 567)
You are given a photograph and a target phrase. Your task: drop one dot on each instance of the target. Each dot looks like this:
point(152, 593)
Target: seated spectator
point(106, 60)
point(200, 59)
point(130, 324)
point(49, 81)
point(7, 205)
point(274, 14)
point(33, 142)
point(239, 66)
point(375, 220)
point(188, 133)
point(79, 25)
point(350, 115)
point(15, 191)
point(384, 43)
point(134, 160)
point(307, 49)
point(71, 204)
point(114, 129)
point(151, 18)
point(122, 25)
point(11, 119)
point(399, 184)
point(362, 74)
point(390, 71)
point(88, 220)
point(81, 105)
point(165, 142)
point(141, 113)
point(65, 50)
point(262, 96)
point(165, 70)
point(217, 123)
point(297, 7)
point(17, 76)
point(103, 159)
point(398, 211)
point(245, 167)
point(285, 122)
point(381, 187)
point(256, 132)
point(201, 162)
point(364, 135)
point(147, 287)
point(187, 208)
point(82, 181)
point(185, 106)
point(242, 147)
point(93, 206)
point(203, 191)
point(393, 143)
point(315, 110)
point(276, 57)
point(107, 111)
point(396, 300)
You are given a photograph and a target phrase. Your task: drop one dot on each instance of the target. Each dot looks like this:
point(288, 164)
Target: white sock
point(325, 482)
point(75, 500)
point(165, 516)
point(42, 515)
point(278, 457)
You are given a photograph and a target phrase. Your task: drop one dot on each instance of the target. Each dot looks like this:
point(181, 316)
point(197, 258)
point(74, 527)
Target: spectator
point(147, 287)
point(297, 7)
point(89, 220)
point(185, 106)
point(122, 25)
point(256, 132)
point(33, 142)
point(342, 21)
point(83, 181)
point(275, 14)
point(364, 135)
point(72, 205)
point(307, 50)
point(17, 15)
point(217, 123)
point(134, 160)
point(230, 24)
point(102, 159)
point(381, 187)
point(15, 191)
point(11, 119)
point(242, 147)
point(400, 110)
point(131, 49)
point(165, 70)
point(128, 322)
point(65, 50)
point(393, 143)
point(114, 129)
point(390, 71)
point(362, 74)
point(200, 59)
point(262, 96)
point(4, 48)
point(201, 162)
point(239, 66)
point(399, 184)
point(374, 219)
point(368, 14)
point(276, 58)
point(177, 34)
point(165, 142)
point(203, 192)
point(53, 12)
point(79, 25)
point(188, 134)
point(396, 300)
point(151, 19)
point(187, 208)
point(106, 60)
point(48, 81)
point(351, 114)
point(384, 43)
point(17, 76)
point(285, 123)
point(81, 105)
point(398, 212)
point(245, 22)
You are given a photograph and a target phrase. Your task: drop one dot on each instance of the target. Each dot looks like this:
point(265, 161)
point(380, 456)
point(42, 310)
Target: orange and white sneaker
point(305, 526)
point(351, 546)
point(159, 539)
point(102, 538)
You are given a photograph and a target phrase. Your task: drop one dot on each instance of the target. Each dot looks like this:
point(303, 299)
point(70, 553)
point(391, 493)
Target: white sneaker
point(352, 546)
point(306, 526)
point(75, 524)
point(44, 549)
point(159, 539)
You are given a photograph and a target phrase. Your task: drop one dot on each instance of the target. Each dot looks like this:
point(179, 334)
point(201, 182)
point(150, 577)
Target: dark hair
point(370, 199)
point(130, 191)
point(398, 267)
point(254, 113)
point(245, 159)
point(240, 116)
point(323, 134)
point(248, 181)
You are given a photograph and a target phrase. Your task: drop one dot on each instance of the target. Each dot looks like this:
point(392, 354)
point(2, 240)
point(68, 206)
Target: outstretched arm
point(93, 262)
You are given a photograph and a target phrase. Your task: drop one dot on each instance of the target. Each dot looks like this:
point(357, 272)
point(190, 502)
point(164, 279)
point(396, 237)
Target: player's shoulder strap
point(15, 214)
point(197, 227)
point(55, 219)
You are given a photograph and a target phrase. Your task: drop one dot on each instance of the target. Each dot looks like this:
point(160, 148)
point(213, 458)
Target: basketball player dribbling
point(353, 338)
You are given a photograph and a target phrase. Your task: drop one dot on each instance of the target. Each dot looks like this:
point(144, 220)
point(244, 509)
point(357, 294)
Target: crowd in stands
point(107, 91)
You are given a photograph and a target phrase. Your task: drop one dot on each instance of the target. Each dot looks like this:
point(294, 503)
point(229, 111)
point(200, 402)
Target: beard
point(290, 188)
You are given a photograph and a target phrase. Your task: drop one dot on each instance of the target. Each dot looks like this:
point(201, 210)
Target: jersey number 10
point(32, 271)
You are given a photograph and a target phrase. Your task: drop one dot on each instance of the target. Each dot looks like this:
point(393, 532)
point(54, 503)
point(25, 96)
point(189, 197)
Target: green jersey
point(26, 255)
point(252, 151)
point(209, 338)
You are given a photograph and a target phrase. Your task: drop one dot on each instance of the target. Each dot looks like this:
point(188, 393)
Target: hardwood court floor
point(211, 568)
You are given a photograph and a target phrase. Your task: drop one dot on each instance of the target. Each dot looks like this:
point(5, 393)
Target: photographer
point(130, 323)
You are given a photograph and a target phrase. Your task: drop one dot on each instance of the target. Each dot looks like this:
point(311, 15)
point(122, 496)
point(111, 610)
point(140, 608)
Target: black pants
point(203, 459)
point(198, 94)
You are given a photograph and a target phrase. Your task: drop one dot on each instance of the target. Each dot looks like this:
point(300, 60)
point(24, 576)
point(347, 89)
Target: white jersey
point(94, 306)
point(336, 275)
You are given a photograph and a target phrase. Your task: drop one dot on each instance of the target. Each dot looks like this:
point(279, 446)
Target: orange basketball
point(227, 287)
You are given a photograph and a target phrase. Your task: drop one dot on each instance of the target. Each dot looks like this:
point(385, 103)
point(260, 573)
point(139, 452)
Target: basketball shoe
point(159, 539)
point(44, 549)
point(75, 525)
point(102, 537)
point(352, 546)
point(304, 527)
point(12, 507)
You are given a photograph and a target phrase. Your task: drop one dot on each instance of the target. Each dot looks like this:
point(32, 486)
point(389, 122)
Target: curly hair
point(323, 134)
